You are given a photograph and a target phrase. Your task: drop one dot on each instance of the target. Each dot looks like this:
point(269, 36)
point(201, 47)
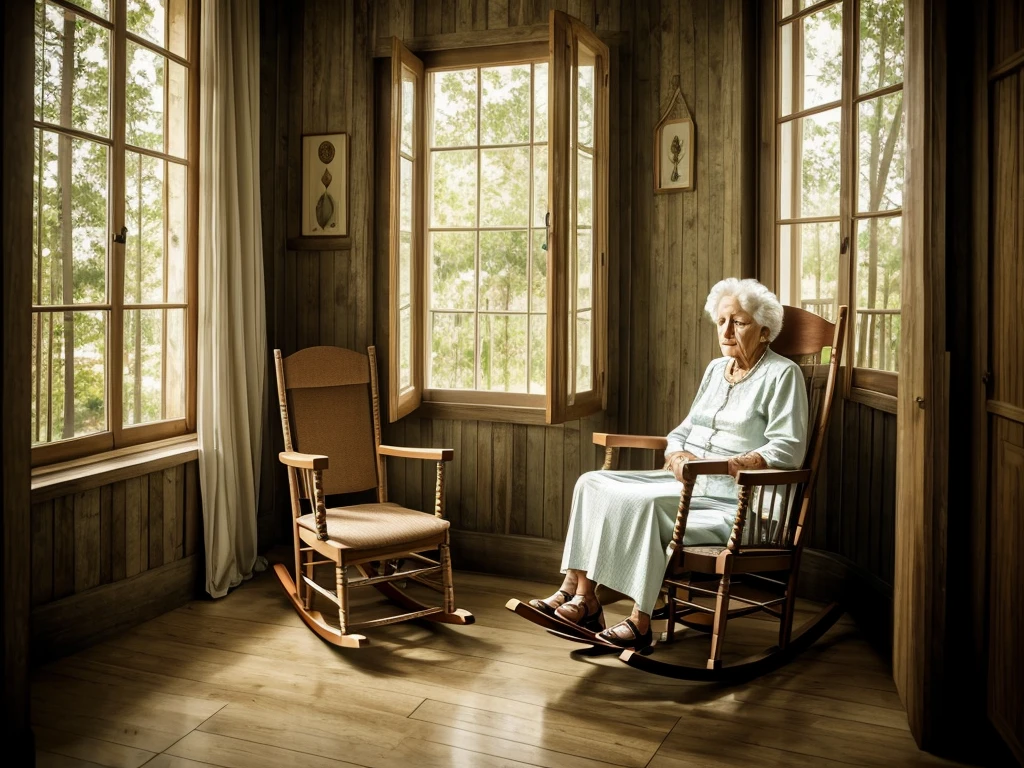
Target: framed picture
point(325, 185)
point(673, 155)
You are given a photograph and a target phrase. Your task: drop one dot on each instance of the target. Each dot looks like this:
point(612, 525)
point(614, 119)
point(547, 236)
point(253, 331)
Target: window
point(113, 324)
point(838, 224)
point(498, 223)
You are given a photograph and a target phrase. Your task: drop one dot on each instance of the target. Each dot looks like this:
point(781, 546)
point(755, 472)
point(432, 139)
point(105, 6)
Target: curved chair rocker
point(330, 411)
point(757, 570)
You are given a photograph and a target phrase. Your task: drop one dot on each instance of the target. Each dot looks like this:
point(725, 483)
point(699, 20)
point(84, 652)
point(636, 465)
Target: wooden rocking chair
point(330, 415)
point(757, 570)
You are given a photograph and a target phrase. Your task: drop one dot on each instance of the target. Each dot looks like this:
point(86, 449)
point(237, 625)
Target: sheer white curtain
point(232, 312)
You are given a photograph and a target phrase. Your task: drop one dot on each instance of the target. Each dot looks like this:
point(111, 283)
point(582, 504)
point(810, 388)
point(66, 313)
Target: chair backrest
point(329, 406)
point(803, 339)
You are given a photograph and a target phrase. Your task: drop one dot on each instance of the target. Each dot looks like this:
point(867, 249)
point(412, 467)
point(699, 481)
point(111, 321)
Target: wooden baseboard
point(522, 557)
point(72, 623)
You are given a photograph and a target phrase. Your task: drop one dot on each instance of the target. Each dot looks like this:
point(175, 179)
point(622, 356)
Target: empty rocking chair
point(330, 415)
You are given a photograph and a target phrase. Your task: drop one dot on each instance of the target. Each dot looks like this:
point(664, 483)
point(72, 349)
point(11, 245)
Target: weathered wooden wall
point(114, 554)
point(510, 486)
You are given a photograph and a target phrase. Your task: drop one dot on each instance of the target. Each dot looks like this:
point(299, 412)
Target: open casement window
point(114, 247)
point(405, 367)
point(839, 182)
point(499, 228)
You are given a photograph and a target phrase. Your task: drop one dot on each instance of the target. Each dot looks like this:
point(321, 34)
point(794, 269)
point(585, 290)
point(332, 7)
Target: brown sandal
point(640, 643)
point(543, 606)
point(593, 622)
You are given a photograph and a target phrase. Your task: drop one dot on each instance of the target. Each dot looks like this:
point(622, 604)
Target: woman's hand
point(676, 461)
point(746, 461)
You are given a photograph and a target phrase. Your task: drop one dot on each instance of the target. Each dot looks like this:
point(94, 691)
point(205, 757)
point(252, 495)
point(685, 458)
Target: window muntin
point(111, 323)
point(486, 243)
point(839, 194)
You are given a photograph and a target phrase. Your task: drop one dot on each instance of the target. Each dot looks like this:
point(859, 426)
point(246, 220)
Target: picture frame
point(674, 155)
point(325, 167)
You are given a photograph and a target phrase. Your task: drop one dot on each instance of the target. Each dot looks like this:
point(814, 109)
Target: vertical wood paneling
point(118, 524)
point(553, 511)
point(155, 525)
point(63, 546)
point(42, 552)
point(132, 526)
point(106, 533)
point(86, 507)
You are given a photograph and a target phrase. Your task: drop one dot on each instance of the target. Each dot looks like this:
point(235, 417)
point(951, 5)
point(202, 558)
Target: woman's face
point(738, 334)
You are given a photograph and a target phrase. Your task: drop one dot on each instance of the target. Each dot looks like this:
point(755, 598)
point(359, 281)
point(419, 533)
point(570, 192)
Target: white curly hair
point(756, 299)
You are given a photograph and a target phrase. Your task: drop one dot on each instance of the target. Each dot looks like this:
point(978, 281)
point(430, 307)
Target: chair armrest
point(425, 454)
point(695, 467)
point(303, 460)
point(772, 476)
point(608, 440)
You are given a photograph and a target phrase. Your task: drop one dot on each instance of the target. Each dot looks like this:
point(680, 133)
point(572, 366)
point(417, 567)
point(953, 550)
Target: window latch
point(122, 236)
point(845, 245)
point(547, 226)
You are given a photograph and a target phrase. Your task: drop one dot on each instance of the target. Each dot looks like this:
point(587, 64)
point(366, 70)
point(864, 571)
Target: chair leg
point(788, 607)
point(721, 617)
point(671, 630)
point(307, 599)
point(446, 576)
point(341, 582)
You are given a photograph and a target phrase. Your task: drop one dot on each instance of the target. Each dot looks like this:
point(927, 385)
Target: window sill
point(877, 400)
point(512, 414)
point(103, 469)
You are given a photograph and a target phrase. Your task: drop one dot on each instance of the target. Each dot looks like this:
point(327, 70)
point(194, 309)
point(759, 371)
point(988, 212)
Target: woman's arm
point(675, 461)
point(752, 460)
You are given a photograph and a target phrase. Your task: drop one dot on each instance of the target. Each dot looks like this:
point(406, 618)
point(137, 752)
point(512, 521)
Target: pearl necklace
point(732, 364)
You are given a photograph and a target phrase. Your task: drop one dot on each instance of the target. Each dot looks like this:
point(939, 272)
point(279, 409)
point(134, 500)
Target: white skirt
point(621, 527)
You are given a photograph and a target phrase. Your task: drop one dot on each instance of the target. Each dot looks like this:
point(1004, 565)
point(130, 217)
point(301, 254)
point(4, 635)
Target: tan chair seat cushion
point(377, 526)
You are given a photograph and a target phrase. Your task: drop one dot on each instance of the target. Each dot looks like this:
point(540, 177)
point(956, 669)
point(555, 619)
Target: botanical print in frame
point(325, 185)
point(674, 155)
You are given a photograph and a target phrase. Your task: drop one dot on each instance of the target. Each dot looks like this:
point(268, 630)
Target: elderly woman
point(751, 408)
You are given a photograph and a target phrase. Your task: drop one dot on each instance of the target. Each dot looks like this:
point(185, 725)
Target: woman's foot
point(627, 634)
point(549, 604)
point(584, 611)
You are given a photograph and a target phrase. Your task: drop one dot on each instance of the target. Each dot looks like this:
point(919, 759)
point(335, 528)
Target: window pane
point(584, 268)
point(405, 356)
point(78, 98)
point(452, 350)
point(453, 182)
point(177, 109)
point(404, 269)
point(880, 153)
point(584, 189)
point(144, 217)
point(163, 22)
point(505, 187)
point(585, 99)
point(503, 271)
point(70, 232)
point(812, 250)
point(505, 105)
point(539, 276)
point(503, 353)
point(405, 171)
point(583, 365)
point(811, 60)
point(881, 44)
point(177, 231)
point(408, 105)
point(789, 7)
point(540, 185)
point(454, 109)
point(809, 154)
point(879, 266)
point(69, 383)
point(540, 102)
point(154, 365)
point(538, 353)
point(144, 98)
point(453, 270)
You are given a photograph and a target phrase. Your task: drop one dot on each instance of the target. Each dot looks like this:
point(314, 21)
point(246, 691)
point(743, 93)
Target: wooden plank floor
point(240, 682)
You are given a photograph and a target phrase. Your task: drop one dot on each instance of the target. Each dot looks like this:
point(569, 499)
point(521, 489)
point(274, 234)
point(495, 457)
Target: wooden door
point(1005, 395)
